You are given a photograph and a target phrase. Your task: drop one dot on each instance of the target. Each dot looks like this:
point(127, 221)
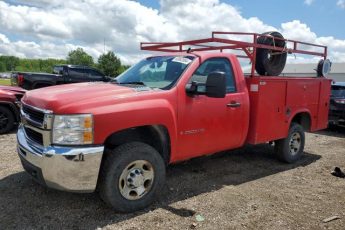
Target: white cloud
point(51, 28)
point(4, 39)
point(299, 31)
point(341, 4)
point(308, 2)
point(41, 50)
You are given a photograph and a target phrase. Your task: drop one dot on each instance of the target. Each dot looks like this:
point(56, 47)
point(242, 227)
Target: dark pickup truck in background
point(337, 104)
point(62, 74)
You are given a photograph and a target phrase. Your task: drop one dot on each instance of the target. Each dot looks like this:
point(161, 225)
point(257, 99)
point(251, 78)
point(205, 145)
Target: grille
point(33, 114)
point(34, 136)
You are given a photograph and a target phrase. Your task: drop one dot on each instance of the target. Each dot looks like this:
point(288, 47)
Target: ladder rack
point(246, 49)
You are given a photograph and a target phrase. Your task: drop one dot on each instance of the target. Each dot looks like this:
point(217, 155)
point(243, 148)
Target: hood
point(81, 95)
point(14, 89)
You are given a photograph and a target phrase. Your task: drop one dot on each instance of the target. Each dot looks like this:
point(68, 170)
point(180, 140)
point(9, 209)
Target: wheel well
point(156, 136)
point(303, 119)
point(12, 110)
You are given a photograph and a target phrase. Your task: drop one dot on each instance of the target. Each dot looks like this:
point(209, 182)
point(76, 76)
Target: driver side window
point(212, 65)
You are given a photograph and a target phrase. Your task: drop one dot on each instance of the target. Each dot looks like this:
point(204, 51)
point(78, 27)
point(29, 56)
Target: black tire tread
point(11, 119)
point(118, 155)
point(262, 65)
point(281, 147)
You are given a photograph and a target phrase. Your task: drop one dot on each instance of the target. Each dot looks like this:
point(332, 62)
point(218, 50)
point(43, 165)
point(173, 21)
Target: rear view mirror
point(216, 85)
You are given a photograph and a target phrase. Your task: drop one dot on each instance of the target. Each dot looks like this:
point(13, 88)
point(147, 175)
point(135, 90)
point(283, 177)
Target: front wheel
point(131, 177)
point(290, 149)
point(6, 120)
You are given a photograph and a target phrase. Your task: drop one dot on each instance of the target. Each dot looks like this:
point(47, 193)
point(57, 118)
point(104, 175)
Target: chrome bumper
point(62, 168)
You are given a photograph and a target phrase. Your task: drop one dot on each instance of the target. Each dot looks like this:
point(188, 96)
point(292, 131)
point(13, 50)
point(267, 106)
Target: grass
point(5, 81)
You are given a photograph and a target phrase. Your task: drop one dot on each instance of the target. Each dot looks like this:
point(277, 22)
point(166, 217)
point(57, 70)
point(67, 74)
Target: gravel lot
point(242, 189)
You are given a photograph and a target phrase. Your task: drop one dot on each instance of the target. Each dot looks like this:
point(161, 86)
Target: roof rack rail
point(246, 46)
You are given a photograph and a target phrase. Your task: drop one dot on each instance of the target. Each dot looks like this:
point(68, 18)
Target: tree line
point(108, 63)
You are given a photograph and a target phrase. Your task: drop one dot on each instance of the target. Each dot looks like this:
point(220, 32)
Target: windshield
point(338, 91)
point(57, 69)
point(156, 72)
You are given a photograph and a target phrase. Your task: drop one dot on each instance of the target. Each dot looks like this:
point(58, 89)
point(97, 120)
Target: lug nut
point(132, 174)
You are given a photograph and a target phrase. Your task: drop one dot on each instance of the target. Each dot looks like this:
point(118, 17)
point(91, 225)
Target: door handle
point(233, 104)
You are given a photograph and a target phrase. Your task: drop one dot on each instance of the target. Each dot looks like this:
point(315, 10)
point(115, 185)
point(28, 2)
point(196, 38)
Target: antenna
point(103, 45)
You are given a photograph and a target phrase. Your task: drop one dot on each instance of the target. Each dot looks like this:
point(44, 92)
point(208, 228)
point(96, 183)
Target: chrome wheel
point(295, 143)
point(136, 180)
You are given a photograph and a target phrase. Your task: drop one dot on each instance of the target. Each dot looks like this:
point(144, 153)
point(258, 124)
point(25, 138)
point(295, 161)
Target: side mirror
point(216, 85)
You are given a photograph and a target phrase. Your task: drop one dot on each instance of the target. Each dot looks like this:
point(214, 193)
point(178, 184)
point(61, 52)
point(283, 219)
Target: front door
point(205, 124)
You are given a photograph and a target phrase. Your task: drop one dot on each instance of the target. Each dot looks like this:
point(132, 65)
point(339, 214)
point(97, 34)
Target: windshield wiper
point(131, 83)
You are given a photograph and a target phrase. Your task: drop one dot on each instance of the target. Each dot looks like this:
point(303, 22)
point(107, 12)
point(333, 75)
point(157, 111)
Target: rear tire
point(131, 177)
point(291, 148)
point(268, 62)
point(6, 120)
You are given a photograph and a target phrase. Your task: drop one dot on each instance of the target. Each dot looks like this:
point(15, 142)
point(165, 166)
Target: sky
point(52, 28)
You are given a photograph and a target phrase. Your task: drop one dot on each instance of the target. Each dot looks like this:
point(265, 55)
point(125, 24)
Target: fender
point(134, 114)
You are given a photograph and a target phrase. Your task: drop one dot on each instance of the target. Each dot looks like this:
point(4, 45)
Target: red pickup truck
point(118, 137)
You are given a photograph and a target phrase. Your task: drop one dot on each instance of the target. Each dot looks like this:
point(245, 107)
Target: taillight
point(340, 101)
point(20, 79)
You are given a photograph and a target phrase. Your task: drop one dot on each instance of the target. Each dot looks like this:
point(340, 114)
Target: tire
point(121, 186)
point(267, 64)
point(6, 120)
point(291, 148)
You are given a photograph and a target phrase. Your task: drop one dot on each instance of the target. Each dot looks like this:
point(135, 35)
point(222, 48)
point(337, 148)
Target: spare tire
point(270, 62)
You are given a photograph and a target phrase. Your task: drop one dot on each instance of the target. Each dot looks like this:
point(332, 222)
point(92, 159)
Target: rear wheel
point(6, 120)
point(291, 148)
point(131, 177)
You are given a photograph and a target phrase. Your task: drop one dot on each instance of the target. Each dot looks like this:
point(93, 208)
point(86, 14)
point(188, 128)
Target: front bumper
point(62, 168)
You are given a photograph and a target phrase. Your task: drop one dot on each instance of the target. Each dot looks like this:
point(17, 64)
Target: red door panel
point(207, 125)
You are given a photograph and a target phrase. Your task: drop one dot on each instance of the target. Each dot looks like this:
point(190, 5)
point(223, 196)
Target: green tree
point(79, 57)
point(11, 62)
point(2, 67)
point(109, 64)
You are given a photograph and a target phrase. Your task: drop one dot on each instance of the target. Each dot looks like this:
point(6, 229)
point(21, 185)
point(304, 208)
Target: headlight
point(73, 129)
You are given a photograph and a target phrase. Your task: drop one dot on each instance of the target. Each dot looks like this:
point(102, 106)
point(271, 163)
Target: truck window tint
point(338, 91)
point(93, 74)
point(57, 69)
point(76, 72)
point(212, 65)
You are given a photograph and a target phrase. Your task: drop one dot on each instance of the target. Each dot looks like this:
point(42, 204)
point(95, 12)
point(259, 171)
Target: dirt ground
point(242, 189)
